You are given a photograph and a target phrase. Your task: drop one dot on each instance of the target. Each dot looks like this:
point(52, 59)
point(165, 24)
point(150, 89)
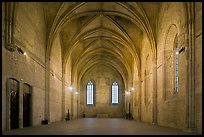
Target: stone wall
point(68, 92)
point(146, 78)
point(102, 78)
point(55, 92)
point(173, 110)
point(171, 107)
point(198, 66)
point(30, 36)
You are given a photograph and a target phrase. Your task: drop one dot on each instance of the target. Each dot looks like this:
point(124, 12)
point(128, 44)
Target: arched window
point(114, 91)
point(27, 105)
point(13, 103)
point(171, 53)
point(89, 93)
point(176, 66)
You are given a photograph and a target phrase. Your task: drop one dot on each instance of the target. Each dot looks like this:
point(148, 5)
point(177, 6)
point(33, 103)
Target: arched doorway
point(13, 90)
point(26, 105)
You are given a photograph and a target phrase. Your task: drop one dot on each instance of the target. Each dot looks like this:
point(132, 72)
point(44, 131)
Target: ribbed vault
point(108, 33)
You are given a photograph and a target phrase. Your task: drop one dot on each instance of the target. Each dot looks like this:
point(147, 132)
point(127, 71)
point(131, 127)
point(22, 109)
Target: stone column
point(72, 99)
point(190, 64)
point(21, 104)
point(47, 88)
point(139, 98)
point(141, 101)
point(154, 96)
point(63, 95)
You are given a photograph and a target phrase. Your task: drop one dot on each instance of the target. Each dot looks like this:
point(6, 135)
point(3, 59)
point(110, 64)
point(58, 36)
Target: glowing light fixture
point(127, 92)
point(70, 88)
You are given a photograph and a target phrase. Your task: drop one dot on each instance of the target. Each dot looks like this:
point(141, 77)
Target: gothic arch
point(169, 59)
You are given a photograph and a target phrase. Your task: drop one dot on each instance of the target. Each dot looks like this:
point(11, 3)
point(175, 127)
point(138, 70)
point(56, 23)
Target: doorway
point(26, 105)
point(13, 90)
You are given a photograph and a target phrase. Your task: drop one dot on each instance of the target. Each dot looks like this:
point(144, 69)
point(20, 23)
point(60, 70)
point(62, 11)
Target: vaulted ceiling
point(108, 33)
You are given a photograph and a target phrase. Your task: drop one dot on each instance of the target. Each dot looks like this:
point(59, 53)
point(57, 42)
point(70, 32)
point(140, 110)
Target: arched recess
point(55, 92)
point(27, 105)
point(12, 90)
point(103, 75)
point(136, 17)
point(109, 62)
point(169, 61)
point(169, 107)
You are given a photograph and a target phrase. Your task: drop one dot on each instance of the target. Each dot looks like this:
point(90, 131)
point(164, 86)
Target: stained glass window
point(176, 70)
point(89, 93)
point(115, 92)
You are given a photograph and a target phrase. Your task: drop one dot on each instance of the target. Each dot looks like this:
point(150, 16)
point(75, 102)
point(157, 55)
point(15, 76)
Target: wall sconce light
point(181, 50)
point(20, 50)
point(127, 92)
point(70, 88)
point(53, 75)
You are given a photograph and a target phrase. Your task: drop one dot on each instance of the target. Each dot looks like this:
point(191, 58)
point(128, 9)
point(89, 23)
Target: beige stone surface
point(133, 43)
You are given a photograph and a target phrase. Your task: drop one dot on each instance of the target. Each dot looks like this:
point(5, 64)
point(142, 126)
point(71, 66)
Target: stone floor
point(97, 126)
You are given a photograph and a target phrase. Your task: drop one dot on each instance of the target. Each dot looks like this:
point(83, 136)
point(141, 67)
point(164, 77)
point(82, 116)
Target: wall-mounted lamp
point(20, 50)
point(128, 92)
point(53, 75)
point(181, 50)
point(70, 88)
